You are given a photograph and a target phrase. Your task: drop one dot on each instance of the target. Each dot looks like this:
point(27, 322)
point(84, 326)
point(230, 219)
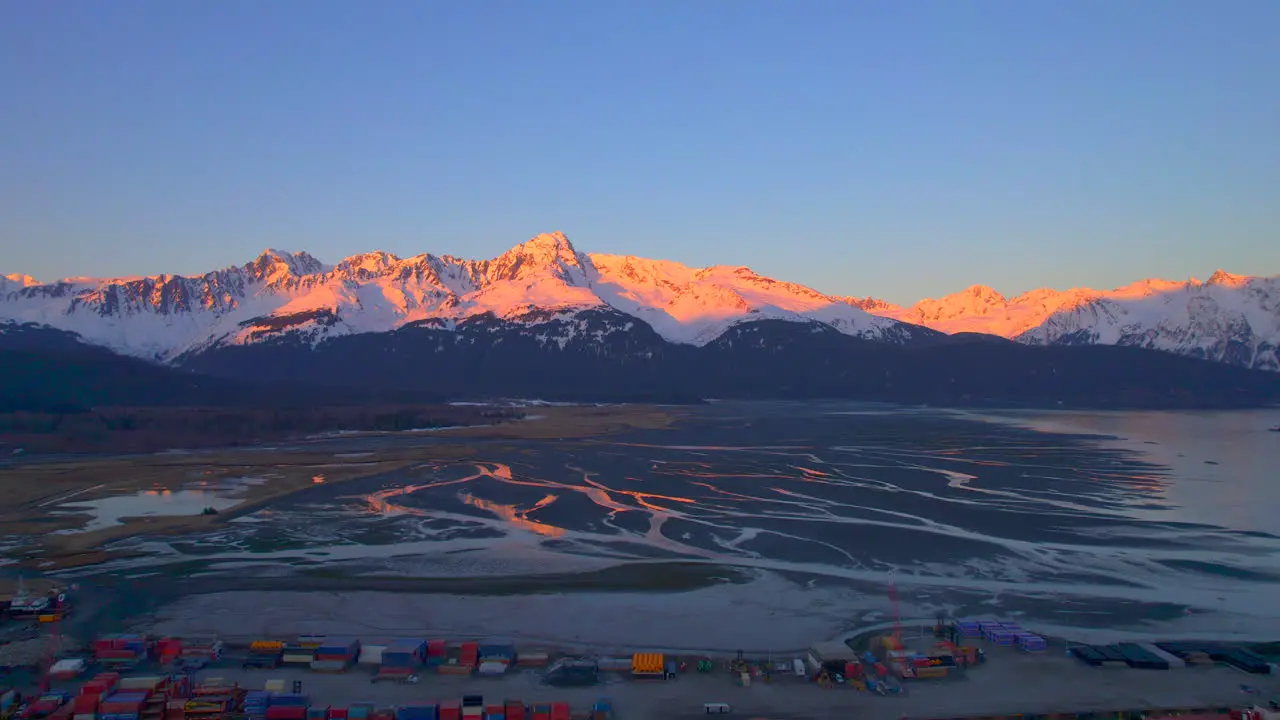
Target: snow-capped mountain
point(1230, 318)
point(284, 295)
point(16, 282)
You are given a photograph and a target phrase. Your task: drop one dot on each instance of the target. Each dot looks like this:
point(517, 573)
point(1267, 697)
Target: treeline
point(148, 429)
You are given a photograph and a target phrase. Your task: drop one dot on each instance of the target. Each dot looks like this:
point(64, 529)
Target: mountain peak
point(296, 263)
point(552, 243)
point(19, 280)
point(983, 292)
point(1222, 277)
point(546, 252)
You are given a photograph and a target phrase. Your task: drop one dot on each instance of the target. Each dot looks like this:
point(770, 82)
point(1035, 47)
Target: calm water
point(1118, 520)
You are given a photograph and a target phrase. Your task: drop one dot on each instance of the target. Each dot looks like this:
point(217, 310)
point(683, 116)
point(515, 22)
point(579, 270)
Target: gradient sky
point(901, 149)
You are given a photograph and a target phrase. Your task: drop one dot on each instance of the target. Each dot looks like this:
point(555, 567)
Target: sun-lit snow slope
point(1230, 318)
point(16, 282)
point(696, 305)
point(282, 294)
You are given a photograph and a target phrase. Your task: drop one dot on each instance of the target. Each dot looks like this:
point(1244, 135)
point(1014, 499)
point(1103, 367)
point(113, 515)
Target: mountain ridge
point(164, 316)
point(290, 295)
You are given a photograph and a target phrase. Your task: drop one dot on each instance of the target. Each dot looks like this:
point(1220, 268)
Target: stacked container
point(336, 655)
point(371, 654)
point(360, 711)
point(121, 651)
point(318, 712)
point(200, 650)
point(969, 629)
point(287, 707)
point(211, 700)
point(298, 655)
point(1027, 642)
point(455, 663)
point(123, 705)
point(496, 656)
point(436, 652)
point(602, 709)
point(560, 711)
point(168, 650)
point(337, 713)
point(265, 654)
point(472, 707)
point(515, 710)
point(495, 711)
point(402, 658)
point(256, 703)
point(85, 707)
point(449, 710)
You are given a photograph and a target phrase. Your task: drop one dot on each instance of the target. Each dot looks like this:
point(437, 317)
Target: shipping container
point(417, 712)
point(470, 654)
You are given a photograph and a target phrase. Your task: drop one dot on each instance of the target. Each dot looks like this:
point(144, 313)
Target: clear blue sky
point(902, 148)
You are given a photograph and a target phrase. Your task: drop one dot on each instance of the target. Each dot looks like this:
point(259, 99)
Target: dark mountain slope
point(610, 356)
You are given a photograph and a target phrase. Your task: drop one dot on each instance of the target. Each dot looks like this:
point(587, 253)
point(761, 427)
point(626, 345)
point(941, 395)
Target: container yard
point(984, 668)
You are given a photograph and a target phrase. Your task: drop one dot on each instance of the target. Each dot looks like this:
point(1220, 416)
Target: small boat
point(1274, 428)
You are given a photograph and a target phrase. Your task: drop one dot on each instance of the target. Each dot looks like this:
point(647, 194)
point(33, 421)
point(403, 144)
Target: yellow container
point(266, 646)
point(646, 663)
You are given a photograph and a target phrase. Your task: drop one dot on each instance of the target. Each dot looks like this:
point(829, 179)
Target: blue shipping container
point(416, 712)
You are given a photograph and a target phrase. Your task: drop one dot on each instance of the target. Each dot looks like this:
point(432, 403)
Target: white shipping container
point(492, 667)
point(371, 654)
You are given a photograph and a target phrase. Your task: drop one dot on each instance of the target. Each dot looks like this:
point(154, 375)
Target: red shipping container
point(515, 710)
point(287, 712)
point(853, 670)
point(86, 704)
point(494, 709)
point(540, 711)
point(337, 714)
point(450, 710)
point(560, 711)
point(470, 654)
point(435, 648)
